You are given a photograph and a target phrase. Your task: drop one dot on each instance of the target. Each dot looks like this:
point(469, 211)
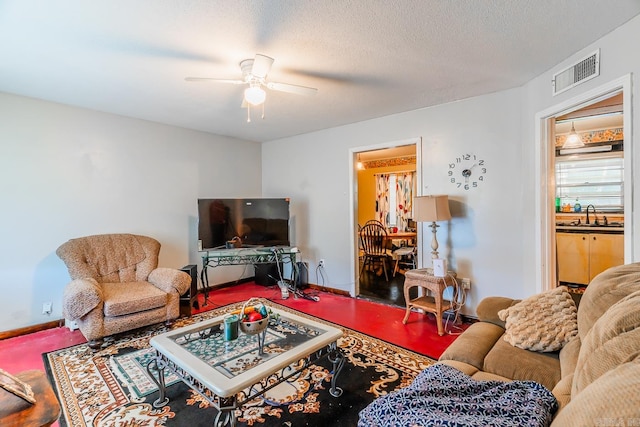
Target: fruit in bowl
point(255, 318)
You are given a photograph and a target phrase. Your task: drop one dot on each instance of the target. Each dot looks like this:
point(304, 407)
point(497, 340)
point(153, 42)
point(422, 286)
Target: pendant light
point(573, 139)
point(359, 165)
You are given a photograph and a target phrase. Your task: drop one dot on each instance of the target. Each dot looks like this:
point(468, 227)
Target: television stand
point(254, 256)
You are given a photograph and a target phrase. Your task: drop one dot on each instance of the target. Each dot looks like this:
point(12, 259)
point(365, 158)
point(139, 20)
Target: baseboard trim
point(330, 290)
point(31, 329)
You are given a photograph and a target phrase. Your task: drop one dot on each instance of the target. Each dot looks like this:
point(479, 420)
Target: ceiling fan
point(254, 75)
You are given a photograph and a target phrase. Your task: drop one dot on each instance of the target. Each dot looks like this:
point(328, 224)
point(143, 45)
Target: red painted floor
point(379, 320)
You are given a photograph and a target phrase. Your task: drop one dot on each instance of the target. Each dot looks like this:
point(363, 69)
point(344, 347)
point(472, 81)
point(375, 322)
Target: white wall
point(67, 172)
point(491, 238)
point(619, 57)
point(487, 223)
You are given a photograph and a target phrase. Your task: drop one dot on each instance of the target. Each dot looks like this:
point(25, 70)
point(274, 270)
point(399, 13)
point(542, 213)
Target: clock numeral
point(475, 184)
point(452, 165)
point(484, 170)
point(450, 173)
point(466, 156)
point(481, 162)
point(481, 178)
point(466, 186)
point(453, 180)
point(458, 184)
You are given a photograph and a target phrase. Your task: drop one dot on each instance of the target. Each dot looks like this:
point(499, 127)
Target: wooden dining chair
point(373, 238)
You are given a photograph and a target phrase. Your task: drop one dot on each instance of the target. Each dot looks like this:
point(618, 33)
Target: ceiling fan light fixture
point(255, 95)
point(573, 139)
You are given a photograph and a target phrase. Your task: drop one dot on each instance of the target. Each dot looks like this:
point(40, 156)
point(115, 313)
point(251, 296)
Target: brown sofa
point(117, 286)
point(595, 377)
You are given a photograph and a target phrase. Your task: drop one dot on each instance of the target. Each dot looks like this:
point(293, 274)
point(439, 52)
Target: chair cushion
point(110, 258)
point(131, 297)
point(542, 322)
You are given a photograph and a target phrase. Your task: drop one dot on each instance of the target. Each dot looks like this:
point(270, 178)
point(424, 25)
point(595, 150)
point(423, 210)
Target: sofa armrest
point(80, 297)
point(489, 307)
point(473, 345)
point(170, 280)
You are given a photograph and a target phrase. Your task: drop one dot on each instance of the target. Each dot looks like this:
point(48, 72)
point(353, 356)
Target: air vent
point(580, 72)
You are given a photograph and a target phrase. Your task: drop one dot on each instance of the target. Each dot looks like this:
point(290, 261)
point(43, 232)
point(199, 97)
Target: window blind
point(594, 181)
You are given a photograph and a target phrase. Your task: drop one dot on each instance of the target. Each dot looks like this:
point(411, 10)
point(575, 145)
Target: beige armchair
point(116, 285)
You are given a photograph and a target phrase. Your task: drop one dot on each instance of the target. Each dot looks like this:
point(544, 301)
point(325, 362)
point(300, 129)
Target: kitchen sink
point(576, 224)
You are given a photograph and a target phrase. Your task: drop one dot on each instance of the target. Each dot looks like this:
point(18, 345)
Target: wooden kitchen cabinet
point(582, 256)
point(605, 250)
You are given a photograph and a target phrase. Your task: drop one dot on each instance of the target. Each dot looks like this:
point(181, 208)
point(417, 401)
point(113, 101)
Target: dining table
point(408, 236)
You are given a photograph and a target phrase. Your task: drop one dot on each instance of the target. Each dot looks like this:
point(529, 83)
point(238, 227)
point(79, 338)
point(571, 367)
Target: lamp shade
point(431, 208)
point(573, 139)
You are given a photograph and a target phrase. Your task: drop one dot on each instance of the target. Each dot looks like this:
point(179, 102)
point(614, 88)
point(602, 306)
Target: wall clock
point(467, 171)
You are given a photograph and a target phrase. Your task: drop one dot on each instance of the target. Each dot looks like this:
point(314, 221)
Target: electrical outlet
point(321, 263)
point(46, 308)
point(466, 283)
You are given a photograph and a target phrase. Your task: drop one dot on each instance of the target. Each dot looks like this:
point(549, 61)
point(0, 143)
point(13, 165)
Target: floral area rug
point(111, 387)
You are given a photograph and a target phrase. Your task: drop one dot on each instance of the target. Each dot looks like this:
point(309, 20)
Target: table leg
point(226, 415)
point(439, 312)
point(261, 339)
point(158, 366)
point(204, 278)
point(337, 359)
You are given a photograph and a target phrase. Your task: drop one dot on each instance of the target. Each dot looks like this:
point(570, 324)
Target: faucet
point(595, 218)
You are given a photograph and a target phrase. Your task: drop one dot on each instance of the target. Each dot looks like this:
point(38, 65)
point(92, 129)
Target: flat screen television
point(257, 222)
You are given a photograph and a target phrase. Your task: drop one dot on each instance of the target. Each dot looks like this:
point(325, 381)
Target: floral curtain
point(404, 198)
point(404, 192)
point(382, 198)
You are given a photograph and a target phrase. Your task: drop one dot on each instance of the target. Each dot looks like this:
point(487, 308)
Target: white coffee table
point(200, 356)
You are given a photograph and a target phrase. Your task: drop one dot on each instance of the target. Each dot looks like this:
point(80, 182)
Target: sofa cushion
point(131, 297)
point(606, 289)
point(614, 339)
point(518, 364)
point(569, 357)
point(489, 308)
point(542, 322)
point(611, 400)
point(562, 391)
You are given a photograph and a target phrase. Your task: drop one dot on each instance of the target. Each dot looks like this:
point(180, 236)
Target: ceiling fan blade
point(298, 90)
point(207, 79)
point(261, 66)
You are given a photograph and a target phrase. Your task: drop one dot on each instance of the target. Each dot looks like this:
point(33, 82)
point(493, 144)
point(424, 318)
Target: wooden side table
point(435, 303)
point(14, 411)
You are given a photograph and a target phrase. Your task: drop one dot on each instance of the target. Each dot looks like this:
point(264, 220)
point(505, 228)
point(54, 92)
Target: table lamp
point(432, 209)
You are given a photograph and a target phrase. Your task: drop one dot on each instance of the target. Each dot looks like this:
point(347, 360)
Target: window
point(592, 180)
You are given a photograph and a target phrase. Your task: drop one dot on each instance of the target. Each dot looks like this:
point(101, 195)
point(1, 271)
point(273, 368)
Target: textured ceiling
point(367, 58)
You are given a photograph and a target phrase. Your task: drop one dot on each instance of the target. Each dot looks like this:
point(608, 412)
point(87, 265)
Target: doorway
point(609, 104)
point(395, 163)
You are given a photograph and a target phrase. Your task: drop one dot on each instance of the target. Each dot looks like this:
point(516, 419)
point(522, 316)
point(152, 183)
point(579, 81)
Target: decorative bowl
point(257, 326)
point(252, 328)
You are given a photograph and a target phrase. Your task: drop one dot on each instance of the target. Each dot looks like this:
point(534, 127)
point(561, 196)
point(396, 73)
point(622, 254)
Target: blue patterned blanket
point(443, 396)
